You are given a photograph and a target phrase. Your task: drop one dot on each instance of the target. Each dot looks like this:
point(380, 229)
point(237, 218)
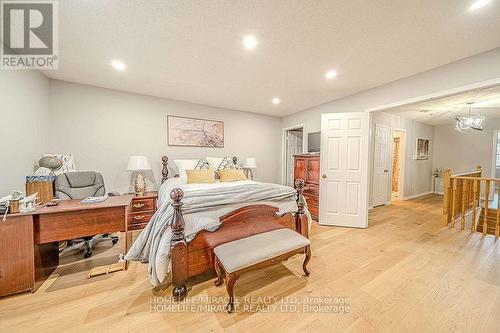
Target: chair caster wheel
point(114, 240)
point(87, 255)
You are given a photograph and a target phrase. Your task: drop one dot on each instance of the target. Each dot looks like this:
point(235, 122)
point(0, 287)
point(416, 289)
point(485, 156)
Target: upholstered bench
point(257, 251)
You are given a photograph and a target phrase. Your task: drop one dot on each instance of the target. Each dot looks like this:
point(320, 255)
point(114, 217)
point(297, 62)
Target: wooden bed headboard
point(164, 169)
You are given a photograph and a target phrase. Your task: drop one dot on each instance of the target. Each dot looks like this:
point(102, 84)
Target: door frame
point(402, 162)
point(284, 147)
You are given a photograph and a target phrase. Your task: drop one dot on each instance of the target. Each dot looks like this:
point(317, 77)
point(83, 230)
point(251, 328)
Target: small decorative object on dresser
point(307, 168)
point(139, 164)
point(143, 208)
point(250, 163)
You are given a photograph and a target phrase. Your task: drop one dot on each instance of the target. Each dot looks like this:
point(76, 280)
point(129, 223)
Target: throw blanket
point(202, 208)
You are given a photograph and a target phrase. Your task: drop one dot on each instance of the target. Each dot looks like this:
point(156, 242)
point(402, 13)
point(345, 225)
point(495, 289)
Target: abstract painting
point(422, 152)
point(182, 131)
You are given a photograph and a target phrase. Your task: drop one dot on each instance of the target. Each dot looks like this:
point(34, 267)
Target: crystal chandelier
point(469, 122)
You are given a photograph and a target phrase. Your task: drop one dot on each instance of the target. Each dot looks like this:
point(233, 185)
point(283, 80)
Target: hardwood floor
point(404, 273)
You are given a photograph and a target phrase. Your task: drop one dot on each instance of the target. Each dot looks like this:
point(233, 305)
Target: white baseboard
point(417, 195)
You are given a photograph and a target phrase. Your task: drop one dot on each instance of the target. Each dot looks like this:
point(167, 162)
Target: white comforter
point(203, 205)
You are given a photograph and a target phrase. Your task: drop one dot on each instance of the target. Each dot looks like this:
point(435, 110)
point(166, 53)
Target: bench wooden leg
point(230, 281)
point(218, 270)
point(306, 260)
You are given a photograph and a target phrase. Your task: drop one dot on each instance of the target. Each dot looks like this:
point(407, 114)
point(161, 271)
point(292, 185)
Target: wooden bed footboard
point(196, 257)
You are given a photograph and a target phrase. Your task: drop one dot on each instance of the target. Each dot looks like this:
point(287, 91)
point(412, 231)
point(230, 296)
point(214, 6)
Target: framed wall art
point(193, 132)
point(422, 149)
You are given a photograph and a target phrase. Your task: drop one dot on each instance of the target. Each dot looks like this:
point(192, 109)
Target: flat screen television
point(313, 142)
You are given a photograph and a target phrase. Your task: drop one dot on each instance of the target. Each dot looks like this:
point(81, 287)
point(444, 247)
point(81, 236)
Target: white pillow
point(214, 162)
point(183, 165)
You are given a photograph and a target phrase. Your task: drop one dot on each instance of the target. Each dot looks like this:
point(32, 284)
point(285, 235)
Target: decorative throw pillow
point(231, 175)
point(202, 165)
point(183, 165)
point(200, 176)
point(221, 163)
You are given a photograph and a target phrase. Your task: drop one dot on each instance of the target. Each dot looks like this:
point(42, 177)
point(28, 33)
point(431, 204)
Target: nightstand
point(143, 208)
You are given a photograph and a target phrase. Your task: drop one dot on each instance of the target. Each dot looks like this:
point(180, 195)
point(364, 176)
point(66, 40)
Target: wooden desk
point(29, 243)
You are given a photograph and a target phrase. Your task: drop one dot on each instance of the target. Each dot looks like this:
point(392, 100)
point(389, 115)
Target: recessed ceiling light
point(479, 4)
point(331, 74)
point(118, 65)
point(276, 101)
point(250, 42)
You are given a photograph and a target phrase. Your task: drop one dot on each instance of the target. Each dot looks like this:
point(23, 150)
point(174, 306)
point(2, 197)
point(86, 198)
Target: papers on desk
point(94, 199)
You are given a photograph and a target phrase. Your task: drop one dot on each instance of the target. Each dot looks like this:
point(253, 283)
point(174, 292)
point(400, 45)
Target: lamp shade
point(250, 163)
point(136, 163)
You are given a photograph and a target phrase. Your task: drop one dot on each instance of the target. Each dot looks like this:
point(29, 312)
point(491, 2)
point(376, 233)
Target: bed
point(192, 219)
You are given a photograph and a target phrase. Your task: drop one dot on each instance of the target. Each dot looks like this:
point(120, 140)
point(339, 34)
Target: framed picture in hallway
point(422, 149)
point(182, 131)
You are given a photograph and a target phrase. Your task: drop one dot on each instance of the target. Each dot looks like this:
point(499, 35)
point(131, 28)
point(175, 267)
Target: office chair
point(80, 185)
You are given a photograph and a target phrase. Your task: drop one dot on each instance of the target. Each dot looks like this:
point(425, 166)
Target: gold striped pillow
point(231, 175)
point(200, 176)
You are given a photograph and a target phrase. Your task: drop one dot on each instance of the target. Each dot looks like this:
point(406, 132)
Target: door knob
point(324, 176)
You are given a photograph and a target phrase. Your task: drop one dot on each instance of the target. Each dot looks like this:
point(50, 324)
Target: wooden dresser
point(307, 168)
point(143, 208)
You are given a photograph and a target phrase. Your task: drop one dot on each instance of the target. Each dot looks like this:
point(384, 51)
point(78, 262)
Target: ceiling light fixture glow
point(118, 65)
point(276, 101)
point(479, 4)
point(331, 74)
point(250, 42)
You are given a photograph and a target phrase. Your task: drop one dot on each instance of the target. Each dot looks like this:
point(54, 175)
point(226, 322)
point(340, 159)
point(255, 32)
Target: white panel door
point(294, 147)
point(381, 160)
point(343, 198)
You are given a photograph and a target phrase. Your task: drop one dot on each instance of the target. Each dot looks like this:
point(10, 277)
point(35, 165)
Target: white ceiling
point(442, 111)
point(192, 50)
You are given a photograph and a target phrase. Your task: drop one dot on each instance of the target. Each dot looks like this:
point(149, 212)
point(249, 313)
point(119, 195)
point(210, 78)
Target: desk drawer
point(141, 217)
point(142, 205)
point(56, 226)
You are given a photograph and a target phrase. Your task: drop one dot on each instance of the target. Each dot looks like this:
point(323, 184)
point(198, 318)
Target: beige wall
point(24, 111)
point(462, 152)
point(103, 127)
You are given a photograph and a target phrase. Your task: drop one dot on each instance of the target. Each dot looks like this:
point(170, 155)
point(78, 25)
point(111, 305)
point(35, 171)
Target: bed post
point(164, 170)
point(299, 184)
point(178, 247)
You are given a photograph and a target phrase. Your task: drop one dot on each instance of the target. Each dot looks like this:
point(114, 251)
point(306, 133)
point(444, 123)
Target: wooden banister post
point(497, 223)
point(178, 247)
point(475, 204)
point(454, 199)
point(485, 216)
point(465, 184)
point(299, 227)
point(446, 196)
point(480, 169)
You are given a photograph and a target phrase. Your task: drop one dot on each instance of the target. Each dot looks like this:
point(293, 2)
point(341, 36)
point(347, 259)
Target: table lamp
point(139, 164)
point(250, 163)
